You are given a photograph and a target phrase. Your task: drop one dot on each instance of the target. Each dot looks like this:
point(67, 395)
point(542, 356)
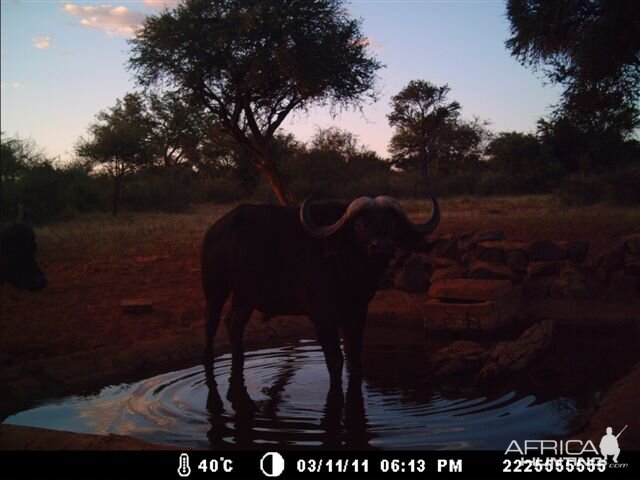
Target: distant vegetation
point(332, 163)
point(204, 125)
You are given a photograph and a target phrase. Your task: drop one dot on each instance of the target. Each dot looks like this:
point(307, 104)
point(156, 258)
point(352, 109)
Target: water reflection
point(283, 401)
point(254, 423)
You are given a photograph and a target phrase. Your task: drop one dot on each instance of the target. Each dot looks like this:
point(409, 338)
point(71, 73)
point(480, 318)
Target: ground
point(73, 336)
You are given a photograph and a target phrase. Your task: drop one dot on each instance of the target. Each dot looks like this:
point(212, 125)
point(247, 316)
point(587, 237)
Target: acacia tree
point(119, 141)
point(421, 114)
point(178, 128)
point(250, 63)
point(592, 49)
point(342, 143)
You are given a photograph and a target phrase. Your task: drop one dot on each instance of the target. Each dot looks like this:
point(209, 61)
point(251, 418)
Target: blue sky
point(62, 62)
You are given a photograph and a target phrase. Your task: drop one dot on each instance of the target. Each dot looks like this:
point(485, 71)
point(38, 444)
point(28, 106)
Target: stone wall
point(478, 280)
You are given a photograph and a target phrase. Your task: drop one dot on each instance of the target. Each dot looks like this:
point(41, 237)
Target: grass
point(102, 236)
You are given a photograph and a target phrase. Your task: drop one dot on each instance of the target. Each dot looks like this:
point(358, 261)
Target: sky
point(63, 62)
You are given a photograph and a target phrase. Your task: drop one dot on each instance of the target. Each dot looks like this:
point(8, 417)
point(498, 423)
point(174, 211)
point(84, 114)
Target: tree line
point(217, 79)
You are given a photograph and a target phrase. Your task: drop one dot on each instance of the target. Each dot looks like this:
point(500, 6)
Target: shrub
point(582, 190)
point(623, 187)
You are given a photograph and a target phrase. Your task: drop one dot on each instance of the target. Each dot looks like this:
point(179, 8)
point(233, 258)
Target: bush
point(50, 193)
point(222, 189)
point(582, 190)
point(620, 187)
point(623, 187)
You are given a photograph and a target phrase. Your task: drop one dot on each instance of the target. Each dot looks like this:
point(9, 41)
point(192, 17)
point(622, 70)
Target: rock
point(577, 250)
point(614, 258)
point(632, 244)
point(447, 247)
point(466, 289)
point(489, 254)
point(459, 357)
point(488, 236)
point(412, 276)
point(622, 288)
point(465, 241)
point(454, 271)
point(486, 315)
point(632, 264)
point(506, 245)
point(439, 262)
point(546, 251)
point(136, 305)
point(507, 358)
point(536, 287)
point(517, 261)
point(489, 271)
point(543, 269)
point(571, 284)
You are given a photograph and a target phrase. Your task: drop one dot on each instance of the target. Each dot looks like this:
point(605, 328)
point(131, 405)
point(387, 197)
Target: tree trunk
point(279, 184)
point(116, 194)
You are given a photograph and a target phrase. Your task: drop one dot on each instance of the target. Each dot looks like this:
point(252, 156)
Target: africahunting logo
point(570, 451)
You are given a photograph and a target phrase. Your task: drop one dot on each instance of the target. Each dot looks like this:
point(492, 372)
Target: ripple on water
point(284, 401)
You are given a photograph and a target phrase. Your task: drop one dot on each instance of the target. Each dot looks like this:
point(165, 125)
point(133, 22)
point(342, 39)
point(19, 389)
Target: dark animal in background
point(18, 264)
point(324, 260)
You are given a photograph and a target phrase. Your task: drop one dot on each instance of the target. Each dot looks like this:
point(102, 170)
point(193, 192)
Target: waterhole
point(284, 401)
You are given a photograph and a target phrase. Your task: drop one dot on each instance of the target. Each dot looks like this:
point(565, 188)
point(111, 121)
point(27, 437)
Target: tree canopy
point(250, 63)
point(119, 141)
point(421, 115)
point(592, 48)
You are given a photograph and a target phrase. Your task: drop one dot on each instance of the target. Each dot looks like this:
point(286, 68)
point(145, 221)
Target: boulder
point(439, 262)
point(543, 269)
point(459, 357)
point(465, 289)
point(412, 277)
point(489, 271)
point(470, 315)
point(577, 250)
point(507, 358)
point(571, 284)
point(446, 246)
point(546, 251)
point(491, 254)
point(517, 261)
point(622, 287)
point(488, 236)
point(632, 264)
point(632, 244)
point(136, 305)
point(536, 287)
point(465, 242)
point(614, 258)
point(454, 271)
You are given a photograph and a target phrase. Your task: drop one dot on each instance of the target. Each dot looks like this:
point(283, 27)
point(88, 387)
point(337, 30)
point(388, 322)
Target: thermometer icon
point(183, 468)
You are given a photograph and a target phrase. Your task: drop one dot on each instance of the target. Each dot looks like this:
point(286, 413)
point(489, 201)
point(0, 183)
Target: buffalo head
point(377, 225)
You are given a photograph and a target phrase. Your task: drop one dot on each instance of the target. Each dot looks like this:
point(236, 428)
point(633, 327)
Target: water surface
point(284, 401)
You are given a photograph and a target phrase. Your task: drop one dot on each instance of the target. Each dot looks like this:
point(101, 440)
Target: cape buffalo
point(17, 255)
point(324, 260)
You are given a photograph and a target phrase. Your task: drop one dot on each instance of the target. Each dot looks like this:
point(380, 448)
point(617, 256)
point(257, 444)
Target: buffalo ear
point(23, 216)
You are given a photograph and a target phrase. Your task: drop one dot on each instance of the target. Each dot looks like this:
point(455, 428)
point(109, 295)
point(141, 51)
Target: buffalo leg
point(353, 336)
point(216, 296)
point(329, 339)
point(235, 322)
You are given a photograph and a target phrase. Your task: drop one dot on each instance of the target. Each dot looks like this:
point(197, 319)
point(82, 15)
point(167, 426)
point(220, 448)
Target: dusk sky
point(62, 62)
